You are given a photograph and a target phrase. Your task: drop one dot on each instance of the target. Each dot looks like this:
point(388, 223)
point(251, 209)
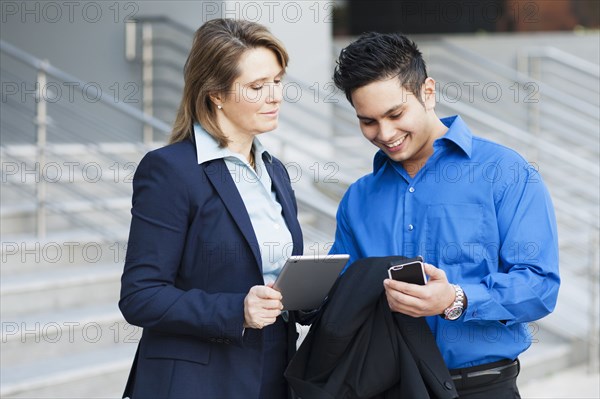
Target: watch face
point(454, 313)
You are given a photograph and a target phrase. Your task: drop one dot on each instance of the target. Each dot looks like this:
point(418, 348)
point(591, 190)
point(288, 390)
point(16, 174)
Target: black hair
point(377, 56)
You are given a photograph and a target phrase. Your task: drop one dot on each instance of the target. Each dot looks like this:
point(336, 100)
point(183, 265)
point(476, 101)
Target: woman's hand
point(262, 305)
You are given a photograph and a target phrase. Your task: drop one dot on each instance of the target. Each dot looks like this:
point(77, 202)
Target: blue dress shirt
point(481, 213)
point(255, 188)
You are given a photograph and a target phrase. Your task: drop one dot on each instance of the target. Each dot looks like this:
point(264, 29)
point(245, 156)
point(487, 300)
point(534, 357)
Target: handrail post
point(534, 107)
point(42, 123)
point(594, 277)
point(130, 39)
point(147, 79)
point(530, 66)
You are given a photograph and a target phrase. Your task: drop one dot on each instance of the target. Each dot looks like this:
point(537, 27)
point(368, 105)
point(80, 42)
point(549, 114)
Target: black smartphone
point(410, 271)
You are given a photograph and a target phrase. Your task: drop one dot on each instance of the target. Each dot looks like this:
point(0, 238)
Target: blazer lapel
point(219, 175)
point(279, 180)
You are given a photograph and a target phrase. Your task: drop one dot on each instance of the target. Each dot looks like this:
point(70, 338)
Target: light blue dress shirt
point(481, 213)
point(255, 188)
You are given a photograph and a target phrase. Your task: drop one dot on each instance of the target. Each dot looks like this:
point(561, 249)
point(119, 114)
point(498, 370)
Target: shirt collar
point(458, 133)
point(207, 148)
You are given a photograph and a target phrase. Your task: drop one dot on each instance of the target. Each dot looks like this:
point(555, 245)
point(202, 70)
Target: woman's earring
point(218, 106)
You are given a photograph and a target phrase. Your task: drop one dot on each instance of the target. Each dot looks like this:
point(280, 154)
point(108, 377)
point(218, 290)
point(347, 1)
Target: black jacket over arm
point(358, 348)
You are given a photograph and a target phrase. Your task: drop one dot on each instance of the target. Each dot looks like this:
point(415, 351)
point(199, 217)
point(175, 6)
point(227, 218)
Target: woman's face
point(252, 105)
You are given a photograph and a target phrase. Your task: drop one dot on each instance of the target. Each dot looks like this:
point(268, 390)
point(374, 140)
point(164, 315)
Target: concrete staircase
point(62, 332)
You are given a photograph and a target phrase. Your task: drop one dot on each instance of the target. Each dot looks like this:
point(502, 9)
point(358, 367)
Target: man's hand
point(420, 300)
point(262, 305)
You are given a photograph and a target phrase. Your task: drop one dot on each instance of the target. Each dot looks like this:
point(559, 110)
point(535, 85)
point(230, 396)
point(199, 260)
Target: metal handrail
point(43, 70)
point(59, 210)
point(565, 99)
point(562, 57)
point(445, 65)
point(518, 134)
point(186, 30)
point(50, 70)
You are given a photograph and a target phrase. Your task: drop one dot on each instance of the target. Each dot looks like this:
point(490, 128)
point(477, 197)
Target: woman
point(214, 217)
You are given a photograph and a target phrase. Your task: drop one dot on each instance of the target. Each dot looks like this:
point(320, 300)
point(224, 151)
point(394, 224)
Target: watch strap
point(455, 310)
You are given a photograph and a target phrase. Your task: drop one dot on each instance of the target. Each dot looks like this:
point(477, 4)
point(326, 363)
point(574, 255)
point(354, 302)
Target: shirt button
point(448, 384)
point(276, 226)
point(411, 190)
point(411, 227)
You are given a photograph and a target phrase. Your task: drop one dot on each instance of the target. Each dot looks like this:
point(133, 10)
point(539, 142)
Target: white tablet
point(305, 280)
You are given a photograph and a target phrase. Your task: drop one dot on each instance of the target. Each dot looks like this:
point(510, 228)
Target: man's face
point(393, 119)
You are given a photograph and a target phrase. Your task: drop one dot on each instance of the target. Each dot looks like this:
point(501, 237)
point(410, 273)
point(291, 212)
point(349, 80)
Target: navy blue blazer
point(192, 257)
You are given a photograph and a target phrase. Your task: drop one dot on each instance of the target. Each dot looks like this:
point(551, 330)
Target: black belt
point(490, 373)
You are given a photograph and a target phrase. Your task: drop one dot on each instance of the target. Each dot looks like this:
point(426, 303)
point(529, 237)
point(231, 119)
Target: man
point(473, 208)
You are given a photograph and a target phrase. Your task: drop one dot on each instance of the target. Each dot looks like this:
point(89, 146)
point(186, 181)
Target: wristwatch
point(455, 310)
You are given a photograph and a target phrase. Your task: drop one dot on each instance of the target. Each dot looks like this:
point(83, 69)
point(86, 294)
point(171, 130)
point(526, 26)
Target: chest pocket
point(452, 231)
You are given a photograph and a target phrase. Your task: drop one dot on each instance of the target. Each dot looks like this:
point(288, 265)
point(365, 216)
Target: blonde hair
point(212, 67)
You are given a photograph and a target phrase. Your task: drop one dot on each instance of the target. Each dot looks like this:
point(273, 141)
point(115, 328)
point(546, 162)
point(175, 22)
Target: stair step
point(21, 218)
point(316, 241)
point(72, 206)
point(30, 150)
point(61, 288)
point(575, 382)
point(92, 215)
point(71, 376)
point(537, 362)
point(24, 253)
point(51, 334)
point(109, 384)
point(568, 321)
